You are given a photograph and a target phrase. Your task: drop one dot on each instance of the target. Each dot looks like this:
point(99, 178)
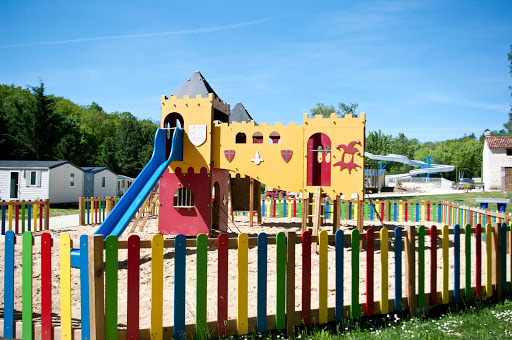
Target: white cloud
point(142, 35)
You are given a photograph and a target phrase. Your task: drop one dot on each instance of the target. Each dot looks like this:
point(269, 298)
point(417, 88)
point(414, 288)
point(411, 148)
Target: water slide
point(425, 168)
point(123, 212)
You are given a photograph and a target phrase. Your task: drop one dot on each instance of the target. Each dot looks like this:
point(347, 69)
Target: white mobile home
point(59, 181)
point(99, 182)
point(123, 183)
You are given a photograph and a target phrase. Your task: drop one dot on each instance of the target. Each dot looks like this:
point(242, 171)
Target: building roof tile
point(499, 142)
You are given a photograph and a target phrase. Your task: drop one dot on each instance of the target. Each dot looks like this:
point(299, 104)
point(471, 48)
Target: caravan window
point(33, 178)
point(103, 181)
point(71, 179)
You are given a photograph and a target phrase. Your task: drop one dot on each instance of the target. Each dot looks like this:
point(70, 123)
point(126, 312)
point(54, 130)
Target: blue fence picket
point(179, 286)
point(84, 287)
point(261, 316)
point(3, 218)
point(29, 217)
point(9, 285)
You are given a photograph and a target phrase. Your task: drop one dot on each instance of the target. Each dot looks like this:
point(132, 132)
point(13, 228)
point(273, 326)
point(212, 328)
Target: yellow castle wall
point(273, 170)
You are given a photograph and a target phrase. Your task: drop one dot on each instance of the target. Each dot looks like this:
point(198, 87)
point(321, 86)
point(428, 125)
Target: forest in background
point(38, 126)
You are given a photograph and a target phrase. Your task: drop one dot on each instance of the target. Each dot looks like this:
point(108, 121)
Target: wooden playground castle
point(322, 154)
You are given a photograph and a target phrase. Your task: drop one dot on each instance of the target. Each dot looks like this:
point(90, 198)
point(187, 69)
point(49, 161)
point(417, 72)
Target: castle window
point(241, 138)
point(509, 152)
point(275, 138)
point(183, 198)
point(257, 138)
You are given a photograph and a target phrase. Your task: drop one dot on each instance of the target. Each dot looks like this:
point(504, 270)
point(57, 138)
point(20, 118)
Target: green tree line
point(37, 126)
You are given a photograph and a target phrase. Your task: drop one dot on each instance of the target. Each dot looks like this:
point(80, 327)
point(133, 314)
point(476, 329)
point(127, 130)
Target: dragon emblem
point(350, 150)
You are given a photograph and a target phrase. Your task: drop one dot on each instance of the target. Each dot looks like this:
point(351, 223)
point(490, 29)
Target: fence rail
point(20, 216)
point(419, 277)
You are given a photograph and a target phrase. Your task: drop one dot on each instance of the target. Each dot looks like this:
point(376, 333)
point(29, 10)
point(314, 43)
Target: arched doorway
point(172, 120)
point(216, 206)
point(319, 160)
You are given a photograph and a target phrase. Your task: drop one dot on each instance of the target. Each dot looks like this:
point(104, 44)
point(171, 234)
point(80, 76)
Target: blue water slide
point(123, 212)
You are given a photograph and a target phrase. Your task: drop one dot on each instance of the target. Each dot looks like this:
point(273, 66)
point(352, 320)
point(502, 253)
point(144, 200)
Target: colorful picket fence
point(94, 210)
point(391, 211)
point(281, 207)
point(416, 265)
point(20, 216)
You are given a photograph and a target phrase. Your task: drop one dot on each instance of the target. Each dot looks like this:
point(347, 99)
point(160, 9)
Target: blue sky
point(433, 70)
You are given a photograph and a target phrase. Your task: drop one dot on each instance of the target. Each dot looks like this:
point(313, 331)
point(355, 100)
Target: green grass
point(461, 198)
point(480, 319)
point(63, 209)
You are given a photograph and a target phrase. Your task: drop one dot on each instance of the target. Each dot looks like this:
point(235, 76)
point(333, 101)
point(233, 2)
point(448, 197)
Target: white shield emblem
point(197, 134)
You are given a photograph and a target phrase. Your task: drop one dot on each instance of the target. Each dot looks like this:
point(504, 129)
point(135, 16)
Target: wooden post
point(80, 211)
point(258, 202)
point(336, 214)
point(251, 202)
point(360, 215)
point(305, 205)
point(496, 254)
point(410, 273)
point(96, 287)
point(290, 285)
point(317, 218)
point(47, 214)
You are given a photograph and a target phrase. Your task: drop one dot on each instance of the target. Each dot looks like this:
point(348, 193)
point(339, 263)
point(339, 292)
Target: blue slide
point(123, 212)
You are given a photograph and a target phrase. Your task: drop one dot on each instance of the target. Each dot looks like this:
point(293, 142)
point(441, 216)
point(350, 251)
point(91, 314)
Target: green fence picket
point(111, 277)
point(26, 284)
point(201, 285)
point(281, 281)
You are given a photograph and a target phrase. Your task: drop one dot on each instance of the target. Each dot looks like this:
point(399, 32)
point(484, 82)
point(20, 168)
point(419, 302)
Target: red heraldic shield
point(230, 154)
point(287, 155)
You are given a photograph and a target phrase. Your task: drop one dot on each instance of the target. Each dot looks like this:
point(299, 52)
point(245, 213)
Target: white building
point(60, 181)
point(123, 183)
point(497, 162)
point(99, 182)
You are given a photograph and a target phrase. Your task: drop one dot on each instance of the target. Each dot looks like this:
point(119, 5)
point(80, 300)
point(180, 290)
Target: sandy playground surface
point(271, 226)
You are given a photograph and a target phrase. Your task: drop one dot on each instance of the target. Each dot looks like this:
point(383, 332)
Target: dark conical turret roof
point(195, 85)
point(239, 114)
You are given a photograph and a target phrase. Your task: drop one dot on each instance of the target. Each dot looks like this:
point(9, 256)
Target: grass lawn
point(478, 319)
point(461, 198)
point(63, 209)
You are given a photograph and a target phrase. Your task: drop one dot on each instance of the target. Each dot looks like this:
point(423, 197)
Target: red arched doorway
point(172, 120)
point(319, 160)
